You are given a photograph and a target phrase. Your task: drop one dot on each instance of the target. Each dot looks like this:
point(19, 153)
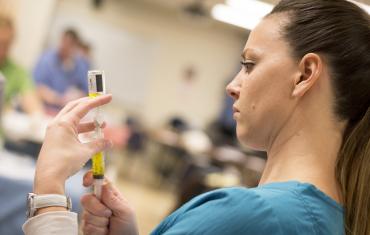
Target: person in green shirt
point(18, 82)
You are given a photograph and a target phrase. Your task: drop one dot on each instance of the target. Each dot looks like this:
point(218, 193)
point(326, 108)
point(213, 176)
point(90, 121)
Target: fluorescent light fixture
point(228, 15)
point(248, 13)
point(258, 8)
point(243, 13)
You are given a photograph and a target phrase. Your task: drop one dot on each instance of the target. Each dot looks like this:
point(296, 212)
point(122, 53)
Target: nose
point(233, 88)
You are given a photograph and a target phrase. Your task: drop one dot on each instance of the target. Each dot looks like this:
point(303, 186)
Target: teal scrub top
point(275, 208)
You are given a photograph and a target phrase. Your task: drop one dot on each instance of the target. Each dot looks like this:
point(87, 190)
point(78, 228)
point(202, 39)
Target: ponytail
point(353, 175)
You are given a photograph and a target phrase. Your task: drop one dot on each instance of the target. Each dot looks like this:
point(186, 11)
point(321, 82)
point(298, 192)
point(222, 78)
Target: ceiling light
point(245, 14)
point(362, 5)
point(248, 13)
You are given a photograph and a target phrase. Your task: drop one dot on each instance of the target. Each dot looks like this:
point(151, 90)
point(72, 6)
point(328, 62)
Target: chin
point(248, 140)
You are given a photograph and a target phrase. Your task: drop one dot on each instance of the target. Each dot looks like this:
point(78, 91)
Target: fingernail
point(108, 213)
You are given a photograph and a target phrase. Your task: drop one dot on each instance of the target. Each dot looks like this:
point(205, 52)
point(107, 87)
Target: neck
point(62, 56)
point(305, 150)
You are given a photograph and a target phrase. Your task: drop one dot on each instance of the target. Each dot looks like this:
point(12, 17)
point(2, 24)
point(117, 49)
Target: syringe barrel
point(96, 84)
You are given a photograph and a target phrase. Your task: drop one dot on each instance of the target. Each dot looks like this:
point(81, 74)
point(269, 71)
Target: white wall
point(161, 47)
point(32, 19)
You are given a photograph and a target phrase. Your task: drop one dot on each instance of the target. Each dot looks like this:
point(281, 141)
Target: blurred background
point(166, 62)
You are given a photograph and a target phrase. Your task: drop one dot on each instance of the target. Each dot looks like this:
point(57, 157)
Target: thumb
point(114, 200)
point(97, 146)
point(88, 179)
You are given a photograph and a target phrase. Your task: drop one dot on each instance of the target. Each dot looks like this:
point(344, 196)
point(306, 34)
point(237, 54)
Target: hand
point(112, 215)
point(62, 154)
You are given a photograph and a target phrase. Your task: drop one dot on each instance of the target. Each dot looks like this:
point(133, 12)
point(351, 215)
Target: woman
point(302, 95)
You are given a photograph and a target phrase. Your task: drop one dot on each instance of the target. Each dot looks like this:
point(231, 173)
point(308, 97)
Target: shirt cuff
point(57, 223)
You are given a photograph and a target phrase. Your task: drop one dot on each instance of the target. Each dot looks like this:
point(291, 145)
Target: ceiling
point(208, 3)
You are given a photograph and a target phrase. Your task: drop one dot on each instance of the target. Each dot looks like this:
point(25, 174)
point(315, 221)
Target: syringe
point(96, 80)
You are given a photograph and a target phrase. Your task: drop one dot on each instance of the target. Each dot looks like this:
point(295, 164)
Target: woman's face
point(262, 90)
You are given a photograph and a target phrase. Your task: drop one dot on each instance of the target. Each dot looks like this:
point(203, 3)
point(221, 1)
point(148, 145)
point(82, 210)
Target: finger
point(70, 106)
point(91, 204)
point(97, 146)
point(108, 187)
point(90, 229)
point(84, 106)
point(113, 199)
point(95, 220)
point(88, 179)
point(87, 127)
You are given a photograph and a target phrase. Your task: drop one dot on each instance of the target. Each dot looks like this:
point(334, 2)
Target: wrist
point(50, 209)
point(40, 188)
point(48, 185)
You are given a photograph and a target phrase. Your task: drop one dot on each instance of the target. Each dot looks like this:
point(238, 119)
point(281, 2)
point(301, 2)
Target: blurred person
point(303, 95)
point(18, 86)
point(19, 95)
point(225, 126)
point(84, 50)
point(18, 83)
point(60, 74)
point(12, 204)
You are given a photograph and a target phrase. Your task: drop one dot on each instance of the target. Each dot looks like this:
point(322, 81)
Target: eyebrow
point(250, 51)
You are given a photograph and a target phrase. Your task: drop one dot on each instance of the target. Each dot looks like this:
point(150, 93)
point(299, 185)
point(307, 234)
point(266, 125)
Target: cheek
point(251, 110)
point(257, 94)
point(268, 87)
point(264, 101)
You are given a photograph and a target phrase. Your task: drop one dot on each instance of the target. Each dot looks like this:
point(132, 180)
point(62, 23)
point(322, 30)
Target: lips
point(235, 110)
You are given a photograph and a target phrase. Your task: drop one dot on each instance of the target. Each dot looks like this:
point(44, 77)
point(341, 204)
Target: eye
point(247, 65)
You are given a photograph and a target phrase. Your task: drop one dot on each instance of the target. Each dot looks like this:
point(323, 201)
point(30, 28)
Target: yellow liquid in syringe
point(98, 165)
point(93, 95)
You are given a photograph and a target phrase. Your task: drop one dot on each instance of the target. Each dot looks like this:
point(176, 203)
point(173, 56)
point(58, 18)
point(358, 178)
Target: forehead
point(266, 37)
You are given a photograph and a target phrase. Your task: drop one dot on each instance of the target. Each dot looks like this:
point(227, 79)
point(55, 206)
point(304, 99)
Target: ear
point(310, 69)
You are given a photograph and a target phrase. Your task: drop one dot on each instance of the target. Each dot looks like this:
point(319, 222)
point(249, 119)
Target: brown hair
point(340, 31)
point(72, 33)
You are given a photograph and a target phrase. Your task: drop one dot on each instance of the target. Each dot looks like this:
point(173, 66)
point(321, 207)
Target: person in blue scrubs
point(60, 74)
point(302, 95)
